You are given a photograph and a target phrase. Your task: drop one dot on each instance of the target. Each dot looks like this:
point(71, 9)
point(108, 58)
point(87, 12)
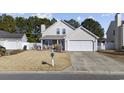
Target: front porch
point(56, 42)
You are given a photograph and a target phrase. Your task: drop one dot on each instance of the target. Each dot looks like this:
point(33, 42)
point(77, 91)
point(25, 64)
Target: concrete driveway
point(94, 62)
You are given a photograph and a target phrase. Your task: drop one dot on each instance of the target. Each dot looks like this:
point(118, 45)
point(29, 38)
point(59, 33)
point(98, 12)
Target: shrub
point(58, 47)
point(2, 51)
point(122, 47)
point(15, 52)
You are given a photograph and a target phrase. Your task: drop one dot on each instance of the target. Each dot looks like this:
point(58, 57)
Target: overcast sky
point(103, 18)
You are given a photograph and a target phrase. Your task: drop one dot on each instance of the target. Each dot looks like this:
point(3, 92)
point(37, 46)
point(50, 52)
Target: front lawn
point(118, 57)
point(32, 61)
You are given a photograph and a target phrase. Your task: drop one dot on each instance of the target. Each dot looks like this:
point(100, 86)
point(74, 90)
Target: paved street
point(60, 76)
point(94, 62)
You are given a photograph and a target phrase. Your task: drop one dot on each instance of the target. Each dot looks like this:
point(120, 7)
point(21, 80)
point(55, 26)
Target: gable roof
point(81, 27)
point(63, 23)
point(4, 34)
point(86, 30)
point(68, 24)
point(112, 23)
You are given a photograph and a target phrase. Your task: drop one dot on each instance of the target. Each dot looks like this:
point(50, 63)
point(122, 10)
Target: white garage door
point(80, 46)
point(12, 45)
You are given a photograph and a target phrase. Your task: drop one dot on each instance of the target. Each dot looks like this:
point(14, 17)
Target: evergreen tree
point(73, 22)
point(93, 26)
point(8, 23)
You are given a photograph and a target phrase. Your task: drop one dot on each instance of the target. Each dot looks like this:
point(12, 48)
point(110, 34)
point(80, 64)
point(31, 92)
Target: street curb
point(61, 72)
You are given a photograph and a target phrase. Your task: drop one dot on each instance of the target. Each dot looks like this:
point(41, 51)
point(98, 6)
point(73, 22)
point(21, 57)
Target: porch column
point(61, 44)
point(57, 41)
point(48, 43)
point(41, 44)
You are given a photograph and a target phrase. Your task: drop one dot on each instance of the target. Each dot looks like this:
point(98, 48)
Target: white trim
point(68, 25)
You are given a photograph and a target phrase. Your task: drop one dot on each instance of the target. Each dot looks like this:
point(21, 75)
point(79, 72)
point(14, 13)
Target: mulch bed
point(113, 52)
point(13, 52)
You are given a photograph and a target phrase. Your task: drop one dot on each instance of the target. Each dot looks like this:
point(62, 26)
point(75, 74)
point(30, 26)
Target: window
point(45, 42)
point(50, 42)
point(58, 31)
point(114, 32)
point(63, 31)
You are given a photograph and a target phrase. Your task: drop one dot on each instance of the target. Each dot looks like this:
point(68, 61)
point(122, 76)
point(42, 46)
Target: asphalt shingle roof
point(4, 34)
point(68, 25)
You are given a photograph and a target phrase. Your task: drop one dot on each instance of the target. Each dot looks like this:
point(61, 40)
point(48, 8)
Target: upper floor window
point(63, 31)
point(113, 32)
point(58, 31)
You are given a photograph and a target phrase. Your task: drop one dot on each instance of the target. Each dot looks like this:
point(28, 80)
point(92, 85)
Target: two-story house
point(115, 33)
point(70, 38)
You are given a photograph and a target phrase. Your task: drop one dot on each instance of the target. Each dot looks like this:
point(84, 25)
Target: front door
point(62, 42)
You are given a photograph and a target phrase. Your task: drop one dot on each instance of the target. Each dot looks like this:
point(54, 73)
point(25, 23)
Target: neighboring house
point(111, 32)
point(12, 41)
point(70, 38)
point(101, 44)
point(115, 33)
